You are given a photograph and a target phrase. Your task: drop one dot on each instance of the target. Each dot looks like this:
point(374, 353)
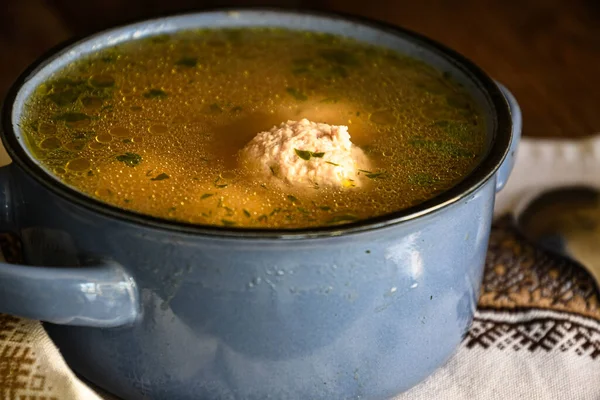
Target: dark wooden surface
point(546, 51)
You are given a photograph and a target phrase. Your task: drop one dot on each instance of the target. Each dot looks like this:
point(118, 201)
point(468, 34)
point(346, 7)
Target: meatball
point(305, 153)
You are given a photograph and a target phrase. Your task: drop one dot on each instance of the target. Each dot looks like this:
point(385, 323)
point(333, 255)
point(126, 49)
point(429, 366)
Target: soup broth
point(156, 125)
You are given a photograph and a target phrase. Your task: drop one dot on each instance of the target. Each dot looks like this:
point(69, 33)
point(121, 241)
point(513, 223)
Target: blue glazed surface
point(359, 316)
point(363, 316)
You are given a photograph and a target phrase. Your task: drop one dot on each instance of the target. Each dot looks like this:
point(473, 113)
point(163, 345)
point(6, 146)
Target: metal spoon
point(566, 221)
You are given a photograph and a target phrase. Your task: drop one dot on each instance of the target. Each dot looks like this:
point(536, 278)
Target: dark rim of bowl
point(485, 170)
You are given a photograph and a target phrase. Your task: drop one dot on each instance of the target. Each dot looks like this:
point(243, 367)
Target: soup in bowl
point(253, 204)
point(233, 126)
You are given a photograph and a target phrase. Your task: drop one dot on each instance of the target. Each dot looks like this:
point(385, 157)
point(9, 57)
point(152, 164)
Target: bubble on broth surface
point(78, 164)
point(51, 143)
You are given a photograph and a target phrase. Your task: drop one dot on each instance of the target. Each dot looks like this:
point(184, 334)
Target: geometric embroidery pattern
point(18, 364)
point(546, 334)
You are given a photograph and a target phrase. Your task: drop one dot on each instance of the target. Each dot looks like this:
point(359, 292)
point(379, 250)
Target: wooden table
point(546, 51)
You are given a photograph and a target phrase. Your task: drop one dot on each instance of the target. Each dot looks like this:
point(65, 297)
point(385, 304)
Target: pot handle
point(99, 295)
point(517, 124)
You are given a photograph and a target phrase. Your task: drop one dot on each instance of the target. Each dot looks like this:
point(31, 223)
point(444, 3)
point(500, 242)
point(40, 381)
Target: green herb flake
point(330, 100)
point(303, 154)
point(155, 94)
point(297, 94)
point(340, 57)
point(206, 196)
point(325, 208)
point(130, 159)
point(423, 179)
point(307, 154)
point(71, 117)
point(227, 222)
point(127, 201)
point(262, 218)
point(188, 62)
point(65, 98)
point(332, 163)
point(236, 109)
point(172, 209)
point(247, 213)
point(65, 91)
point(109, 59)
point(274, 169)
point(291, 198)
point(219, 185)
point(160, 177)
point(127, 141)
point(375, 175)
point(215, 108)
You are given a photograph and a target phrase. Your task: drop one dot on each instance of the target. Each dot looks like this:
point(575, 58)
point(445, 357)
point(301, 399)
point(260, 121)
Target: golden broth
point(155, 125)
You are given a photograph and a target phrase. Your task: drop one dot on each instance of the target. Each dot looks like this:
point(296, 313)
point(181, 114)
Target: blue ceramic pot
point(154, 309)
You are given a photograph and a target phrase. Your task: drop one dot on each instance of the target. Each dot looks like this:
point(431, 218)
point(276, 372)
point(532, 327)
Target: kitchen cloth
point(536, 333)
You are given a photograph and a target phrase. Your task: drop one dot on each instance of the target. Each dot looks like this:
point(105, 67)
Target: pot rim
point(484, 171)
